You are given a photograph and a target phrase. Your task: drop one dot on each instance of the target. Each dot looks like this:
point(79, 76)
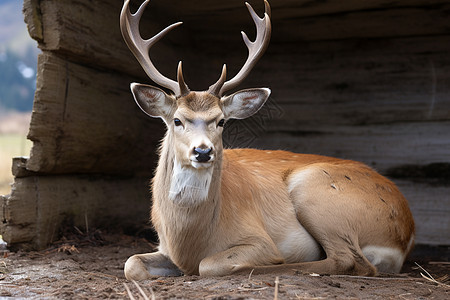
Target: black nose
point(202, 155)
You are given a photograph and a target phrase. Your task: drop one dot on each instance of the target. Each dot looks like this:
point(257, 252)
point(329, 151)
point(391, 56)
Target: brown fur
point(344, 205)
point(220, 212)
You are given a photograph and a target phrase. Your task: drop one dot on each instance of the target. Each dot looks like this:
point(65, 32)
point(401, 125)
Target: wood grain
point(33, 213)
point(363, 80)
point(85, 121)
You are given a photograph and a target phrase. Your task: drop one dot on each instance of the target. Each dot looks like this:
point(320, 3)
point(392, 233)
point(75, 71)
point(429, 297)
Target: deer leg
point(342, 258)
point(148, 265)
point(240, 257)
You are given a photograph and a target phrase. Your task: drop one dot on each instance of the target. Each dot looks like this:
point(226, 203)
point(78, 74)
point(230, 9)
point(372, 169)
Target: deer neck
point(189, 186)
point(185, 186)
point(185, 216)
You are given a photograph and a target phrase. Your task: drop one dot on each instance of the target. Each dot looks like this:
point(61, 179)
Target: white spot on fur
point(385, 259)
point(189, 186)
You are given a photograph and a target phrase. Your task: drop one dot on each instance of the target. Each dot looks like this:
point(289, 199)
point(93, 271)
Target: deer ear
point(153, 101)
point(245, 103)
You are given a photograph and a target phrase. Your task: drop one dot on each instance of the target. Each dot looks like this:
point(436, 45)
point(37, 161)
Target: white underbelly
point(297, 245)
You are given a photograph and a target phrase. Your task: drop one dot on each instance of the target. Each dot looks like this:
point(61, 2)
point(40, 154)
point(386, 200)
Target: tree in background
point(17, 83)
point(18, 59)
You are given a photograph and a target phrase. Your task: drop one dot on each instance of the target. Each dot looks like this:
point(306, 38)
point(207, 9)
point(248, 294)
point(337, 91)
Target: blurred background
point(18, 64)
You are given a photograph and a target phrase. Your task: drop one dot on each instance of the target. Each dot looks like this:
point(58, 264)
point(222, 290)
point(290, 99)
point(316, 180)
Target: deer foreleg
point(146, 266)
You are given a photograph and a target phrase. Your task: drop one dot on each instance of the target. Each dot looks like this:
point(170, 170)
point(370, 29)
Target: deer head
point(195, 120)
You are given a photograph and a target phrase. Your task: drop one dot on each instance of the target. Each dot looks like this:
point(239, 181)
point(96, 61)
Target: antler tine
point(215, 88)
point(255, 49)
point(184, 90)
point(267, 9)
point(129, 26)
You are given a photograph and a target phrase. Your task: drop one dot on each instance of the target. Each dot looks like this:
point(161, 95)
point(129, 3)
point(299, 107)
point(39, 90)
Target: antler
point(129, 26)
point(255, 51)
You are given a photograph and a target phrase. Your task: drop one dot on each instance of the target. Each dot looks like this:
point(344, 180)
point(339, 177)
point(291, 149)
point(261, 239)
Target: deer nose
point(202, 154)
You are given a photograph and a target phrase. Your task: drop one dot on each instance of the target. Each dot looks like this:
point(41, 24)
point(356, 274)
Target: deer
point(223, 211)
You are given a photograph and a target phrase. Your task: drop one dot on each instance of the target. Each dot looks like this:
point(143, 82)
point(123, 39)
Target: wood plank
point(19, 213)
point(38, 206)
point(89, 32)
point(34, 222)
point(380, 146)
point(86, 121)
point(354, 83)
point(33, 19)
point(430, 205)
point(329, 20)
point(287, 8)
point(385, 23)
point(19, 167)
point(365, 80)
point(308, 8)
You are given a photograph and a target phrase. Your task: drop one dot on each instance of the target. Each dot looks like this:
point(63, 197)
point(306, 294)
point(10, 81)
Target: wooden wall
point(364, 80)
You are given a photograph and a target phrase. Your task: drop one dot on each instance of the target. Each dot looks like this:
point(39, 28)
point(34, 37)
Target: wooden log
point(33, 19)
point(86, 121)
point(357, 83)
point(380, 146)
point(430, 205)
point(380, 23)
point(289, 8)
point(387, 148)
point(30, 220)
point(369, 82)
point(33, 214)
point(295, 21)
point(364, 80)
point(19, 167)
point(89, 32)
point(19, 213)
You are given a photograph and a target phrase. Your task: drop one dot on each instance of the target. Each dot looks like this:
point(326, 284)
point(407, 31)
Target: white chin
point(199, 165)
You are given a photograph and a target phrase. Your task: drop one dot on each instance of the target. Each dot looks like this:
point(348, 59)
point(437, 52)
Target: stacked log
point(362, 80)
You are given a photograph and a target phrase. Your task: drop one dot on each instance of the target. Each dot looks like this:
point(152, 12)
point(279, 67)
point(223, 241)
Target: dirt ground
point(89, 266)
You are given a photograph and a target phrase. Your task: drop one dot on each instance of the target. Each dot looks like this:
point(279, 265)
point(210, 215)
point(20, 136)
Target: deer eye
point(177, 122)
point(221, 123)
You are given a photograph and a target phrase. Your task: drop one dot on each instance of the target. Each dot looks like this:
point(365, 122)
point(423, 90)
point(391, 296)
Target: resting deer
point(223, 211)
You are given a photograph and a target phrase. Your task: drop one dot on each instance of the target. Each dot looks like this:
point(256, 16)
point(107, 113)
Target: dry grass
point(142, 293)
point(429, 277)
point(11, 145)
point(13, 142)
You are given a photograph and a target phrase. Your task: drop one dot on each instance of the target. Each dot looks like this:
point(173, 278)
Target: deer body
point(220, 212)
point(227, 219)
